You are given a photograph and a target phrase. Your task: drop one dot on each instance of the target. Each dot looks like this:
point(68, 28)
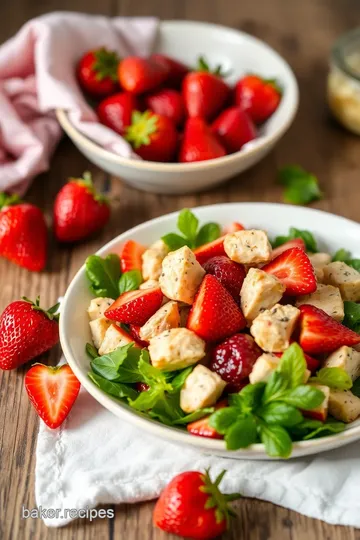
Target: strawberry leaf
point(300, 186)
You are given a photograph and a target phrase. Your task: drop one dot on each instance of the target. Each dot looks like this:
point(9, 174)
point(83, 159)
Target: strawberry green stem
point(50, 313)
point(86, 181)
point(143, 125)
point(204, 67)
point(216, 499)
point(106, 64)
point(8, 200)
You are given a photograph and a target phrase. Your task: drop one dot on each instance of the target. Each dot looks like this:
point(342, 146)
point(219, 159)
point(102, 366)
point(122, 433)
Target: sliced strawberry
point(212, 249)
point(294, 269)
point(320, 333)
point(201, 427)
point(230, 274)
point(296, 242)
point(235, 226)
point(214, 314)
point(135, 307)
point(130, 256)
point(52, 391)
point(135, 333)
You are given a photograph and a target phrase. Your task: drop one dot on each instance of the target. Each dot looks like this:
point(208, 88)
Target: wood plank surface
point(303, 33)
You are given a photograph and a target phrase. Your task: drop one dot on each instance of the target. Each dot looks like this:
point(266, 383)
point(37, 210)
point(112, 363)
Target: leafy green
point(268, 411)
point(356, 388)
point(334, 377)
point(301, 187)
point(345, 256)
point(115, 389)
point(311, 429)
point(190, 236)
point(91, 350)
point(108, 365)
point(196, 415)
point(306, 236)
point(130, 281)
point(352, 316)
point(103, 275)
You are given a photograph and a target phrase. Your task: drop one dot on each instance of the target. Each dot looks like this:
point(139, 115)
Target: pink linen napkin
point(37, 76)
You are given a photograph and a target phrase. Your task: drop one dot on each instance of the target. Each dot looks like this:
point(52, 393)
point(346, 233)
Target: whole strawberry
point(204, 92)
point(23, 233)
point(26, 331)
point(192, 506)
point(116, 111)
point(97, 72)
point(79, 210)
point(167, 102)
point(258, 97)
point(153, 136)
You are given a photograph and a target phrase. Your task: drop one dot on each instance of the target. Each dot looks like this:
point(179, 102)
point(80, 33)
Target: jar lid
point(345, 54)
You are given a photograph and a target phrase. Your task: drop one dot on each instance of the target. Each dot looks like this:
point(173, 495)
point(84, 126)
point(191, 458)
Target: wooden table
point(302, 32)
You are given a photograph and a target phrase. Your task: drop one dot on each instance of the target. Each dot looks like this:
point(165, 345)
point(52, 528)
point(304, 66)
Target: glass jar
point(343, 87)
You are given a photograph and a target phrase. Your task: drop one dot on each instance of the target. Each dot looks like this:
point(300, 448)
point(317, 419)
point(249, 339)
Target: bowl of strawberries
point(207, 104)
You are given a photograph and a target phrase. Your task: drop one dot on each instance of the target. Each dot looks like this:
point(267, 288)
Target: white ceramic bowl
point(332, 232)
point(235, 51)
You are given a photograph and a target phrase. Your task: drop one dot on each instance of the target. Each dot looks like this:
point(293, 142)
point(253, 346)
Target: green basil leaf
point(146, 400)
point(292, 365)
point(281, 414)
point(355, 263)
point(114, 389)
point(188, 224)
point(174, 241)
point(222, 419)
point(107, 365)
point(334, 377)
point(129, 370)
point(275, 388)
point(342, 255)
point(304, 397)
point(276, 440)
point(208, 233)
point(298, 431)
point(103, 275)
point(352, 316)
point(251, 396)
point(300, 186)
point(151, 375)
point(326, 429)
point(242, 433)
point(194, 416)
point(167, 409)
point(130, 281)
point(91, 350)
point(356, 388)
point(178, 381)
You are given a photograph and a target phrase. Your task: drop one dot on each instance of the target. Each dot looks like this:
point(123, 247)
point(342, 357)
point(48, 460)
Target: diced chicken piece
point(152, 260)
point(165, 318)
point(344, 405)
point(347, 359)
point(259, 291)
point(346, 278)
point(321, 412)
point(319, 260)
point(272, 329)
point(114, 337)
point(248, 247)
point(98, 328)
point(202, 388)
point(327, 298)
point(98, 306)
point(176, 349)
point(265, 365)
point(149, 284)
point(181, 275)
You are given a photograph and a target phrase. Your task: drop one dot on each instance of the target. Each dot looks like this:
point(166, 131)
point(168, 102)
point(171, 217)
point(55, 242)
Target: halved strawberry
point(230, 274)
point(294, 269)
point(235, 226)
point(135, 307)
point(130, 256)
point(320, 333)
point(52, 391)
point(214, 314)
point(296, 242)
point(201, 427)
point(212, 249)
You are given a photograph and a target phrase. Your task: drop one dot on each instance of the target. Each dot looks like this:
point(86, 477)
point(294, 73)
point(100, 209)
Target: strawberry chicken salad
point(229, 334)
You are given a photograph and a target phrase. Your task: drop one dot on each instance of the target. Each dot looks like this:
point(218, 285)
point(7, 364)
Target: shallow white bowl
point(332, 233)
point(235, 51)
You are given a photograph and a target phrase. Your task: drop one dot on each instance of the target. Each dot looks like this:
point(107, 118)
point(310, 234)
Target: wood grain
point(303, 33)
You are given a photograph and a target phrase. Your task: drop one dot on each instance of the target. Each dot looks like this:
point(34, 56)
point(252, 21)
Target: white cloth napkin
point(37, 76)
point(95, 458)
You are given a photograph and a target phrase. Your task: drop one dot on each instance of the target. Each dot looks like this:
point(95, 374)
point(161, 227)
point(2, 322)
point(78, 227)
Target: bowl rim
point(122, 410)
point(263, 141)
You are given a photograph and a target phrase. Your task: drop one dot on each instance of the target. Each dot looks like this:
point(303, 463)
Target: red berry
point(97, 72)
point(258, 97)
point(234, 359)
point(234, 128)
point(230, 274)
point(167, 102)
point(199, 143)
point(176, 70)
point(116, 111)
point(138, 75)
